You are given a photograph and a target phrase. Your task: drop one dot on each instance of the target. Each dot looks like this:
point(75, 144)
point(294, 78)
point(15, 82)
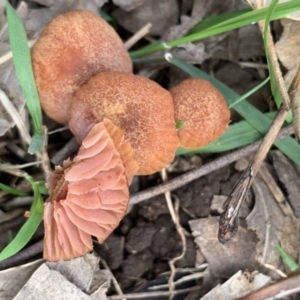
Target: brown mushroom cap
point(139, 106)
point(73, 47)
point(203, 109)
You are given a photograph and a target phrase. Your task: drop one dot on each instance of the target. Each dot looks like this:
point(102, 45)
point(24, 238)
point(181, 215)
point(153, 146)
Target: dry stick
point(12, 111)
point(113, 279)
point(14, 114)
point(137, 36)
point(295, 103)
point(280, 289)
point(203, 170)
point(279, 272)
point(70, 148)
point(174, 212)
point(228, 224)
point(152, 295)
point(22, 256)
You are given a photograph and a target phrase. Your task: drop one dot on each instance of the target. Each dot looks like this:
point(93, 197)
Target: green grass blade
point(30, 226)
point(287, 259)
point(253, 116)
point(212, 21)
point(22, 62)
point(245, 18)
point(12, 191)
point(275, 91)
point(250, 92)
point(237, 135)
point(22, 238)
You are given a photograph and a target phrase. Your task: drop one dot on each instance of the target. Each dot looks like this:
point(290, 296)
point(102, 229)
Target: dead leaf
point(190, 53)
point(288, 48)
point(240, 284)
point(224, 260)
point(199, 10)
point(289, 176)
point(272, 226)
point(160, 13)
point(128, 5)
point(12, 280)
point(79, 278)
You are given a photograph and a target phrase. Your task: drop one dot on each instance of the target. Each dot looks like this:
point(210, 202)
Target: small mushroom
point(73, 47)
point(89, 195)
point(136, 104)
point(203, 110)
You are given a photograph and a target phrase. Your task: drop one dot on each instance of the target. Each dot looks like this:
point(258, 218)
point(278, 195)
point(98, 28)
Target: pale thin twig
point(153, 295)
point(295, 103)
point(256, 65)
point(279, 272)
point(14, 114)
point(5, 167)
point(175, 217)
point(137, 36)
point(7, 56)
point(185, 278)
point(113, 279)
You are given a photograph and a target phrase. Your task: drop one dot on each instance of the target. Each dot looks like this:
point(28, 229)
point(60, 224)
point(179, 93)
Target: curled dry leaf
point(89, 195)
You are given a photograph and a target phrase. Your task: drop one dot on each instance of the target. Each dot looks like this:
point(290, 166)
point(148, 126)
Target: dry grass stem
point(137, 36)
point(279, 272)
point(254, 65)
point(183, 279)
point(16, 169)
point(14, 114)
point(174, 211)
point(153, 295)
point(43, 154)
point(7, 56)
point(70, 148)
point(113, 279)
point(295, 103)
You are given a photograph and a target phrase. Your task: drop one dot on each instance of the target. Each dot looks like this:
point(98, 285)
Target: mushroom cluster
point(124, 122)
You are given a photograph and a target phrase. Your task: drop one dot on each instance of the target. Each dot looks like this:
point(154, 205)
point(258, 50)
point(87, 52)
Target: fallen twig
point(22, 256)
point(152, 295)
point(137, 36)
point(282, 288)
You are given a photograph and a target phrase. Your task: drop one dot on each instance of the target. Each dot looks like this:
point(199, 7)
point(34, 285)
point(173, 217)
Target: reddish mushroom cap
point(73, 47)
point(89, 196)
point(203, 110)
point(138, 105)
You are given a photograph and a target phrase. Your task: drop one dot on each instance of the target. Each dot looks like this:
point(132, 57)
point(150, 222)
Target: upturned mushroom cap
point(203, 110)
point(88, 196)
point(73, 47)
point(136, 104)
